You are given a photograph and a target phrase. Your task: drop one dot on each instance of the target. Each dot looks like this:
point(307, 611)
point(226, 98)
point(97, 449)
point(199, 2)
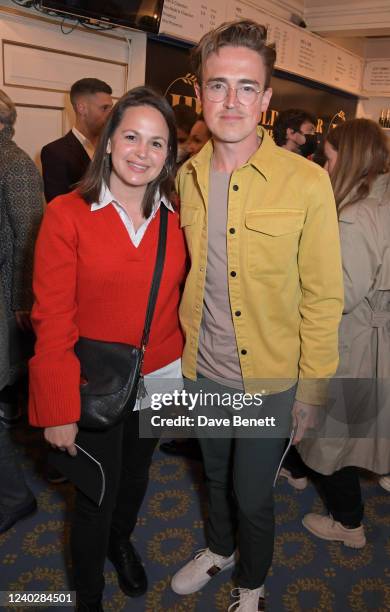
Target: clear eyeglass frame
point(217, 91)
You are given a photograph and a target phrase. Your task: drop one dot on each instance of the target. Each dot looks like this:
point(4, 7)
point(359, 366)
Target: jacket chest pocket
point(273, 239)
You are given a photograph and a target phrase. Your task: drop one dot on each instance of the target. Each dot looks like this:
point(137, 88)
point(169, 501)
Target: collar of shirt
point(87, 144)
point(136, 236)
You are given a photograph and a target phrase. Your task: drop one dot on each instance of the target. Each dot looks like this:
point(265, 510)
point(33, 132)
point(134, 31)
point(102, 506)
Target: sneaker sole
point(360, 544)
point(198, 588)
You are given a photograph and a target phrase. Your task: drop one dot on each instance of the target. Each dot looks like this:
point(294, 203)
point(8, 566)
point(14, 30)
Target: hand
point(304, 417)
point(23, 320)
point(62, 437)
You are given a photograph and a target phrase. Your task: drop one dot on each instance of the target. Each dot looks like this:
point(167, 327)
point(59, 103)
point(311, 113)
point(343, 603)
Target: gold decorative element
point(53, 579)
point(291, 598)
point(119, 600)
point(304, 556)
point(30, 543)
point(183, 502)
point(330, 572)
point(155, 470)
point(366, 585)
point(222, 597)
point(182, 553)
point(154, 598)
point(45, 502)
point(371, 512)
point(292, 511)
point(350, 558)
point(9, 559)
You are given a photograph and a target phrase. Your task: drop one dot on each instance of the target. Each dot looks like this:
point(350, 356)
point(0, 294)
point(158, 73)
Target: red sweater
point(90, 280)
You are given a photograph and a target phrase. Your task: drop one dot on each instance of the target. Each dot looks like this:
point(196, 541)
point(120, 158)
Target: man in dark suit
point(65, 160)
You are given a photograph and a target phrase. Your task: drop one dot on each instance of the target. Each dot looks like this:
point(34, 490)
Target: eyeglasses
point(216, 91)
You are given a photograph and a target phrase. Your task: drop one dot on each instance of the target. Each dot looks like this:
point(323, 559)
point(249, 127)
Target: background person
point(83, 289)
point(358, 163)
point(21, 205)
point(294, 130)
point(198, 137)
point(64, 161)
point(185, 117)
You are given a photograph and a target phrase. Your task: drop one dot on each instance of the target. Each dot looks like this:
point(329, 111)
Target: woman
point(198, 137)
point(94, 262)
point(358, 163)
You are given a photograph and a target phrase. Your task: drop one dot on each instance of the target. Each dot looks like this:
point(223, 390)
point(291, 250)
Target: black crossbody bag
point(112, 370)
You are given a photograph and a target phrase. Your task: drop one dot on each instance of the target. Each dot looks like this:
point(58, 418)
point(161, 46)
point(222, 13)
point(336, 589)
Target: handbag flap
point(105, 366)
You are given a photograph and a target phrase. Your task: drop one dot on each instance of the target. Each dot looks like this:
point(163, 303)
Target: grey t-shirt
point(217, 353)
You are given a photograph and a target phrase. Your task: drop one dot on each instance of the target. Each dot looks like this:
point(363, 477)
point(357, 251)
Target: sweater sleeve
point(55, 369)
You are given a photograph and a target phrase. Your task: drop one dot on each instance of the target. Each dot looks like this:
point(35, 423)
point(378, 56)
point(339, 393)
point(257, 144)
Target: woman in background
point(358, 163)
point(94, 263)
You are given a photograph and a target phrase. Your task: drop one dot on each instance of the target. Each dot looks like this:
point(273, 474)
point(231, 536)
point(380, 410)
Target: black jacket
point(64, 162)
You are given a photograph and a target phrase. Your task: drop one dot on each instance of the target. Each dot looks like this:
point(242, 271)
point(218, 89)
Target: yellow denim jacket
point(284, 269)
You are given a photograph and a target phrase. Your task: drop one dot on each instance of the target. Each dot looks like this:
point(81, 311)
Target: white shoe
point(297, 483)
point(384, 482)
point(250, 600)
point(195, 574)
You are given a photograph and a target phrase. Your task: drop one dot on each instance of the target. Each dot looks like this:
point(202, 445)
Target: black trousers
point(126, 460)
point(240, 473)
point(342, 495)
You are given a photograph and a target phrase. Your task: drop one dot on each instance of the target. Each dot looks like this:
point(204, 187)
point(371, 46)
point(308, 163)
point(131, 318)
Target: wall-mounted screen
point(138, 14)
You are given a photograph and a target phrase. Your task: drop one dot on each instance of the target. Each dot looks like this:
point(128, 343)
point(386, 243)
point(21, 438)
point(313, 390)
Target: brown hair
point(100, 168)
point(243, 33)
point(363, 154)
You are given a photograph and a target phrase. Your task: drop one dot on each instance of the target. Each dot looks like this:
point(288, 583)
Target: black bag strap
point(158, 270)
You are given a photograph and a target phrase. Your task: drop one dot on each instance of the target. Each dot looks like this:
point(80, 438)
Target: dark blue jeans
point(240, 473)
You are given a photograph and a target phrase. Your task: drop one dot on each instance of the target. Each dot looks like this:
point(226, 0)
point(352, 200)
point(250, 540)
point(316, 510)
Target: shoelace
point(206, 552)
point(241, 593)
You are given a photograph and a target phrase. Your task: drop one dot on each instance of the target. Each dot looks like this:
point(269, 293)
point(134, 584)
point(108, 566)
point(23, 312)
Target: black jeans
point(342, 495)
point(126, 460)
point(240, 472)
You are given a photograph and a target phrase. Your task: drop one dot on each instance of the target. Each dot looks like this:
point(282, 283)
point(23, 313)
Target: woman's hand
point(62, 437)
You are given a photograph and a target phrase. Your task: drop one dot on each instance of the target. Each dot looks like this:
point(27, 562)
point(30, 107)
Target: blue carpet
point(308, 574)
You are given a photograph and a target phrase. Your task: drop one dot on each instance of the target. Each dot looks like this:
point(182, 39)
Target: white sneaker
point(298, 483)
point(384, 482)
point(250, 600)
point(195, 574)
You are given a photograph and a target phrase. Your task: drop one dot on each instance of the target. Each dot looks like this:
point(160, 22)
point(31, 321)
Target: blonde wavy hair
point(7, 109)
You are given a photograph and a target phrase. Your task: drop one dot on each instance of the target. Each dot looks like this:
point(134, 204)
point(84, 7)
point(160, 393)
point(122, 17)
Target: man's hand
point(62, 437)
point(304, 416)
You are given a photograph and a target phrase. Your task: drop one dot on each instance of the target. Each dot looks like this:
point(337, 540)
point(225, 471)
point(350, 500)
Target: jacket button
point(235, 187)
point(233, 273)
point(243, 351)
point(238, 313)
point(232, 230)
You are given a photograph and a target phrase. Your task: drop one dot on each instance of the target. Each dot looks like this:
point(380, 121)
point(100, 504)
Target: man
point(262, 300)
point(294, 130)
point(65, 160)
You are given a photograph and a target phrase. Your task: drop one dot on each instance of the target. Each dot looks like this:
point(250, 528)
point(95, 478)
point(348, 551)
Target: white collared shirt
point(136, 236)
point(172, 371)
point(87, 144)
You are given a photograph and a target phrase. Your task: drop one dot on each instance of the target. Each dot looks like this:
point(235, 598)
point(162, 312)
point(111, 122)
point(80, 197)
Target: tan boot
point(327, 528)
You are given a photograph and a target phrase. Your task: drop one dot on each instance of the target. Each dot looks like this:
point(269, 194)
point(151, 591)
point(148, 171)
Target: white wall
point(38, 64)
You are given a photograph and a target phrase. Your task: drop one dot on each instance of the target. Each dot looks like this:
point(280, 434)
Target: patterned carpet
point(307, 574)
